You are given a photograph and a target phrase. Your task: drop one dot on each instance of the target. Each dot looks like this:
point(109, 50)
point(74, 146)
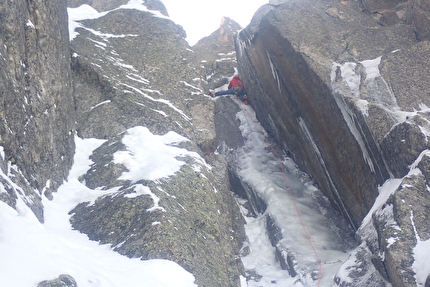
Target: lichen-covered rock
point(14, 186)
point(360, 270)
point(421, 19)
point(131, 69)
point(424, 166)
point(409, 207)
point(403, 71)
point(375, 6)
point(189, 217)
point(411, 210)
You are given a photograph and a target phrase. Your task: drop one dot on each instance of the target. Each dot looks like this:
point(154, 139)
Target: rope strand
point(290, 193)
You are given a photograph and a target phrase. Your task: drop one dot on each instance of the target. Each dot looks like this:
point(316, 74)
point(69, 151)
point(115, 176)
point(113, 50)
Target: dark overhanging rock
point(291, 59)
point(411, 209)
point(310, 102)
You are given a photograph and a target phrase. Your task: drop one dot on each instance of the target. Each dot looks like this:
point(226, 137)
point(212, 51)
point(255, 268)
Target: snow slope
point(35, 252)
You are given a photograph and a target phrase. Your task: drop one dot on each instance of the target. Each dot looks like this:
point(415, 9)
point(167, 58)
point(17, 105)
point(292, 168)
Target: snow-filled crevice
point(277, 251)
point(380, 91)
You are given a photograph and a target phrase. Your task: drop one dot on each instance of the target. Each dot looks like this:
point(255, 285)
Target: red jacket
point(235, 82)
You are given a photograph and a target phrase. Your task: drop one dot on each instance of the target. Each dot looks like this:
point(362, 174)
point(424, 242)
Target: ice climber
point(234, 87)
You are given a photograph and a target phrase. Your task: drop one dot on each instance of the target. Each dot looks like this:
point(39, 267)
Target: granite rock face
point(343, 88)
point(412, 12)
point(348, 98)
point(37, 106)
point(134, 69)
point(130, 68)
point(188, 218)
point(415, 13)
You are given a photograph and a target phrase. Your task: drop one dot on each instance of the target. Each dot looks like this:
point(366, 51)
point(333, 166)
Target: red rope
point(290, 193)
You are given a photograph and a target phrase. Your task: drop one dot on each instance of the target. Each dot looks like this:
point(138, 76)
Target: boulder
point(421, 19)
point(411, 208)
point(63, 280)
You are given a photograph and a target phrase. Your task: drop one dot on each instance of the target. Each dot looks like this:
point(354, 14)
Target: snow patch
point(163, 101)
point(139, 190)
point(99, 104)
point(421, 252)
point(385, 191)
point(191, 86)
point(152, 157)
point(350, 77)
point(30, 24)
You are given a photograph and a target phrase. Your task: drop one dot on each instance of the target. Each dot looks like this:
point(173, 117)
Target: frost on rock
point(349, 115)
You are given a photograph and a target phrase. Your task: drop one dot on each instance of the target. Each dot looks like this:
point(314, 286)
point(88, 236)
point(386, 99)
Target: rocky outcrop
point(103, 5)
point(188, 218)
point(216, 55)
point(37, 107)
point(108, 87)
point(348, 98)
point(140, 74)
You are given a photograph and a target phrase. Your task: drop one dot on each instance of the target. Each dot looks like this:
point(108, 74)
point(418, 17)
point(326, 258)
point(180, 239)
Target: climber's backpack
point(237, 90)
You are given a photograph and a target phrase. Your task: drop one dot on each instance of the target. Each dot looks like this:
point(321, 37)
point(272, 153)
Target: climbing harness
point(284, 174)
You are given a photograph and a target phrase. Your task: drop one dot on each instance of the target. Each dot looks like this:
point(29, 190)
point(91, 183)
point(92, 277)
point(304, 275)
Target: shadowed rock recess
point(341, 86)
